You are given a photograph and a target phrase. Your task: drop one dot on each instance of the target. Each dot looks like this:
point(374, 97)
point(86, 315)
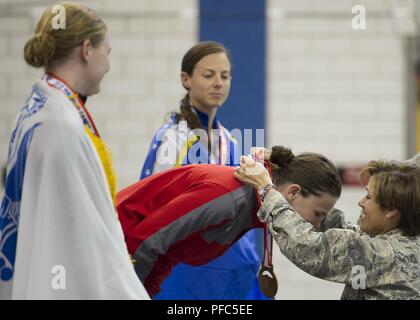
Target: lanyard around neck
point(266, 277)
point(268, 237)
point(55, 82)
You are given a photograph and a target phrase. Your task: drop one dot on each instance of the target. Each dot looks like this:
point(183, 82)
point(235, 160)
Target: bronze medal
point(267, 281)
point(266, 278)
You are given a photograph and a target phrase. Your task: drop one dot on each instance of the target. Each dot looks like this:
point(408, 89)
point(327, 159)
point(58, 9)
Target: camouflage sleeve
point(336, 219)
point(336, 255)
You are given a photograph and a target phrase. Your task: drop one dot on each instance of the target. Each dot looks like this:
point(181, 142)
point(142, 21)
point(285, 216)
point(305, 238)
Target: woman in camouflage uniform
point(379, 258)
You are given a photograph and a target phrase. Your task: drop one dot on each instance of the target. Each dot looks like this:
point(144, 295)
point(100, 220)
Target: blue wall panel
point(240, 25)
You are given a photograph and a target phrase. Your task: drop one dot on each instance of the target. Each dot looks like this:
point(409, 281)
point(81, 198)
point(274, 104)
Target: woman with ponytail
point(194, 134)
point(306, 178)
point(377, 259)
point(193, 214)
point(58, 217)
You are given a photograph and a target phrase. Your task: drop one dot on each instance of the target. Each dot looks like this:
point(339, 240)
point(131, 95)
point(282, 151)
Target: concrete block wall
point(334, 89)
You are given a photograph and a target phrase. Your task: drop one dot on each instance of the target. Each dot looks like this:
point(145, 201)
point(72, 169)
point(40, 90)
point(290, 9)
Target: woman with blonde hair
point(60, 236)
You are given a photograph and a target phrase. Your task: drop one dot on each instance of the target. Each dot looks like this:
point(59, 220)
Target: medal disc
point(267, 281)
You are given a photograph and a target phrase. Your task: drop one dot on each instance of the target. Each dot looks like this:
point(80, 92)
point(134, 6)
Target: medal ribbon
point(91, 130)
point(268, 283)
point(268, 237)
point(61, 85)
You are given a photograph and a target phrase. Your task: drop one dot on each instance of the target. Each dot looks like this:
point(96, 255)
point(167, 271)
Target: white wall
point(334, 89)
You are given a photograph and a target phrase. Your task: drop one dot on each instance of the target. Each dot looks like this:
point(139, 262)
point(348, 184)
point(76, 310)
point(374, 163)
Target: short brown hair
point(397, 187)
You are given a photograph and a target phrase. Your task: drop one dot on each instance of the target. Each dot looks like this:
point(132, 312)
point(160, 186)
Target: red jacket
point(190, 214)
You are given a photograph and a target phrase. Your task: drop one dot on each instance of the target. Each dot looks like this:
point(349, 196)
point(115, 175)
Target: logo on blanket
point(10, 207)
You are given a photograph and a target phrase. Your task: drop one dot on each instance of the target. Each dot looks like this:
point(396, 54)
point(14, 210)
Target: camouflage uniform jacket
point(383, 267)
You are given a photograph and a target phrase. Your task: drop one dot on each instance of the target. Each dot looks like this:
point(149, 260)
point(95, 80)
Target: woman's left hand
point(252, 173)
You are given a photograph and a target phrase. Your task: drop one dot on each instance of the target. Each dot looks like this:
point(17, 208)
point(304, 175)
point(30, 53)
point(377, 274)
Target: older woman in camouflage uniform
point(379, 258)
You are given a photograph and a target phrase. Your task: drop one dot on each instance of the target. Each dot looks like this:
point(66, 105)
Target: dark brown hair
point(313, 172)
point(189, 61)
point(397, 186)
